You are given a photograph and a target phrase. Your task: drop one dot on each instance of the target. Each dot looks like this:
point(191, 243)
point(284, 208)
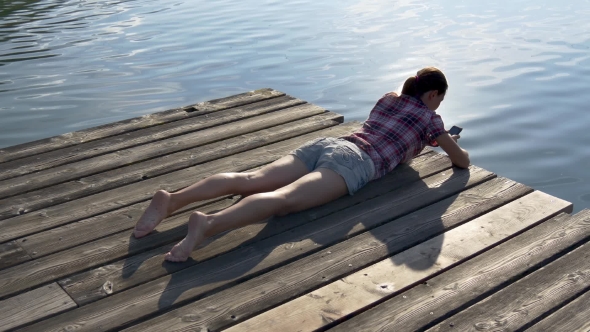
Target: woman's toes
point(176, 256)
point(139, 233)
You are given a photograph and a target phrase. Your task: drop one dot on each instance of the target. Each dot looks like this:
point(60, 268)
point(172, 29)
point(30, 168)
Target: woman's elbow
point(463, 161)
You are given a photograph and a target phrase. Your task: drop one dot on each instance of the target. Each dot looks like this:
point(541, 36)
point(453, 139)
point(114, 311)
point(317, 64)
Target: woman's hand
point(459, 157)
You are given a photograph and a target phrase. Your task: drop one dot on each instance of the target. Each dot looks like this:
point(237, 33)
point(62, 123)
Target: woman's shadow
point(399, 210)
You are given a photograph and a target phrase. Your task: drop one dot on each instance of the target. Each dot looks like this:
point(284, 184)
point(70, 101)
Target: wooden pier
point(427, 247)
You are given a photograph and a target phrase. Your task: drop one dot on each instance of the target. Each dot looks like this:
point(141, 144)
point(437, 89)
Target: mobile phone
point(455, 130)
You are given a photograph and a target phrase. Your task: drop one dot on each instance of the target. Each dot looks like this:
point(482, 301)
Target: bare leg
point(275, 175)
point(315, 188)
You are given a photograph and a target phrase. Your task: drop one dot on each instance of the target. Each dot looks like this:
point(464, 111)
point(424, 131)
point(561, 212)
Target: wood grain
point(113, 199)
point(527, 299)
point(420, 244)
point(460, 287)
point(249, 261)
point(50, 268)
point(128, 156)
point(86, 287)
point(112, 248)
point(140, 171)
point(116, 128)
point(259, 294)
point(86, 230)
point(85, 150)
point(575, 316)
point(12, 254)
point(343, 297)
point(33, 305)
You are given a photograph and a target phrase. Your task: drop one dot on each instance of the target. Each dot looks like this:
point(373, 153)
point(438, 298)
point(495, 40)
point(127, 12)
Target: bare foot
point(154, 214)
point(197, 225)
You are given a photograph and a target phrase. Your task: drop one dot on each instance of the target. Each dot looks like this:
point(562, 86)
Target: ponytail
point(410, 86)
point(426, 79)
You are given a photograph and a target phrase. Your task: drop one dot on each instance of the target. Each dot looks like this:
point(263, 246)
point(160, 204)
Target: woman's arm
point(459, 157)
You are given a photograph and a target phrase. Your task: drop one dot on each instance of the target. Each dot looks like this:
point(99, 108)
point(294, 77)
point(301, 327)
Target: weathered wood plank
point(106, 201)
point(575, 316)
point(526, 300)
point(110, 129)
point(12, 254)
point(249, 261)
point(124, 157)
point(103, 146)
point(86, 230)
point(136, 172)
point(30, 274)
point(224, 309)
point(460, 287)
point(87, 286)
point(348, 295)
point(34, 305)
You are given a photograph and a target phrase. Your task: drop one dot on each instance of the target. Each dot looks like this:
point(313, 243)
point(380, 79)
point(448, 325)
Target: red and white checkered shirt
point(397, 129)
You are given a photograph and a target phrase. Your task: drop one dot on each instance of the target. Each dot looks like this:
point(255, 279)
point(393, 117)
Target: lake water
point(519, 71)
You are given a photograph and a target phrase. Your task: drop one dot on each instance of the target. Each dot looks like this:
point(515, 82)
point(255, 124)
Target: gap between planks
point(86, 150)
point(124, 157)
point(158, 295)
point(571, 317)
point(110, 129)
point(113, 199)
point(464, 285)
point(86, 287)
point(524, 302)
point(430, 164)
point(92, 254)
point(33, 306)
point(331, 303)
point(334, 262)
point(116, 221)
point(137, 172)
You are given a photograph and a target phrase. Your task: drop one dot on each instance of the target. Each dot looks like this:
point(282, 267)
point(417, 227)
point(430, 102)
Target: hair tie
point(416, 77)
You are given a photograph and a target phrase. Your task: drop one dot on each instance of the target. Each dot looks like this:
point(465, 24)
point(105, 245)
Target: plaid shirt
point(397, 129)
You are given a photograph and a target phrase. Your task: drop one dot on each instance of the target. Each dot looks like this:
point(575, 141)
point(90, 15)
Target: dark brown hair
point(426, 79)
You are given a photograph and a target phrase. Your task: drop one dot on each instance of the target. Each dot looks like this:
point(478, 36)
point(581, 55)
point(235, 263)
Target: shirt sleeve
point(435, 129)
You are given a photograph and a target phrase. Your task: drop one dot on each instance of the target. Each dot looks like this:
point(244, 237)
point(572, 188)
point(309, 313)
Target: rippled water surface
point(519, 71)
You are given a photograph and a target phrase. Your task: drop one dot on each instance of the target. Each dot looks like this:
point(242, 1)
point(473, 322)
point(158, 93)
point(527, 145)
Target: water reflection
point(36, 28)
point(517, 69)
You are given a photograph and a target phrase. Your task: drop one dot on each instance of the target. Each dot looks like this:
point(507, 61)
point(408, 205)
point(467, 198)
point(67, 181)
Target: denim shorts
point(341, 156)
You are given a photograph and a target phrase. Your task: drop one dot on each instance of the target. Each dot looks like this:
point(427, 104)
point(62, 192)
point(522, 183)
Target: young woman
point(320, 171)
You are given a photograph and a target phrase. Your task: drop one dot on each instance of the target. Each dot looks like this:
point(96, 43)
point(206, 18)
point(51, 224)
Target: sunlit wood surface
point(427, 247)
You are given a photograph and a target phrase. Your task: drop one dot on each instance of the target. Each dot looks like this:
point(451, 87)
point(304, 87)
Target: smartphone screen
point(455, 130)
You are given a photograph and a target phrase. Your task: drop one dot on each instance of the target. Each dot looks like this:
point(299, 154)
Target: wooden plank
point(87, 286)
point(59, 174)
point(12, 254)
point(113, 199)
point(248, 261)
point(30, 274)
point(248, 298)
point(110, 129)
point(86, 230)
point(34, 305)
point(333, 302)
point(460, 287)
point(85, 150)
point(526, 300)
point(64, 192)
point(575, 316)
